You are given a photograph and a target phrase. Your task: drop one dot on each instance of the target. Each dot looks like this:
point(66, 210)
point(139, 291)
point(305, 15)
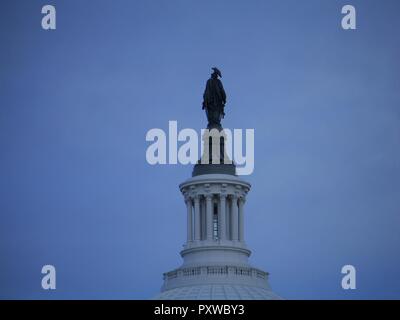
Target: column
point(196, 218)
point(209, 217)
point(241, 219)
point(235, 218)
point(203, 218)
point(222, 217)
point(188, 201)
point(228, 219)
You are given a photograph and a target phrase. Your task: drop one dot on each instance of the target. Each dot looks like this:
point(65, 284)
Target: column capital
point(191, 192)
point(188, 199)
point(223, 188)
point(195, 196)
point(208, 195)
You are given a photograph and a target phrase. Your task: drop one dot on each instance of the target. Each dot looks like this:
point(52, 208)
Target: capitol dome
point(215, 256)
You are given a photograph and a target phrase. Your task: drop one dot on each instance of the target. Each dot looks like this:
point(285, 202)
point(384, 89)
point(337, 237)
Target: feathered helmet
point(216, 70)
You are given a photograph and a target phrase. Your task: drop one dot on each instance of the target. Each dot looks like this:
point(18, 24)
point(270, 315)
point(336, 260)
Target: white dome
point(217, 292)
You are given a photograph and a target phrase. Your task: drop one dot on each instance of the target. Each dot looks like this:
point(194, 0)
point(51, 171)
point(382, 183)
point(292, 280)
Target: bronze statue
point(214, 100)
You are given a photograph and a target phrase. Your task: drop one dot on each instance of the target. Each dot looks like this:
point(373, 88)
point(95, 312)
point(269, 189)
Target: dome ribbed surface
point(218, 292)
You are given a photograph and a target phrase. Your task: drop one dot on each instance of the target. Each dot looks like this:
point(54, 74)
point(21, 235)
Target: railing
point(216, 270)
point(243, 271)
point(191, 271)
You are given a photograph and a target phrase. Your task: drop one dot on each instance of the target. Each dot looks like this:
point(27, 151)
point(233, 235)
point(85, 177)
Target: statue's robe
point(214, 95)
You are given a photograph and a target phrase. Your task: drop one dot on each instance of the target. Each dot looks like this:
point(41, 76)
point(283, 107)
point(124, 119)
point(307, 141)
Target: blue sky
point(76, 103)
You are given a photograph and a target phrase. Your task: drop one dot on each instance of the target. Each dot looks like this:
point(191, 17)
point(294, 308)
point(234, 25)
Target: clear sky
point(76, 103)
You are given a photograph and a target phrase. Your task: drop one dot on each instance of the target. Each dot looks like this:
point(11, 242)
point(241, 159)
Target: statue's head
point(216, 73)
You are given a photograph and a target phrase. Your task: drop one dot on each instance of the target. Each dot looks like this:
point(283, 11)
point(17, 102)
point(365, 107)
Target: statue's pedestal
point(215, 158)
point(200, 169)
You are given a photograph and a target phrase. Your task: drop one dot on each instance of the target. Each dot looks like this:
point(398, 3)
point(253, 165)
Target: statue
point(214, 100)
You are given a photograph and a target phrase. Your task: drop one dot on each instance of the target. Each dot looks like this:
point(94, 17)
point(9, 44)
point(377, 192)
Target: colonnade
point(215, 217)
